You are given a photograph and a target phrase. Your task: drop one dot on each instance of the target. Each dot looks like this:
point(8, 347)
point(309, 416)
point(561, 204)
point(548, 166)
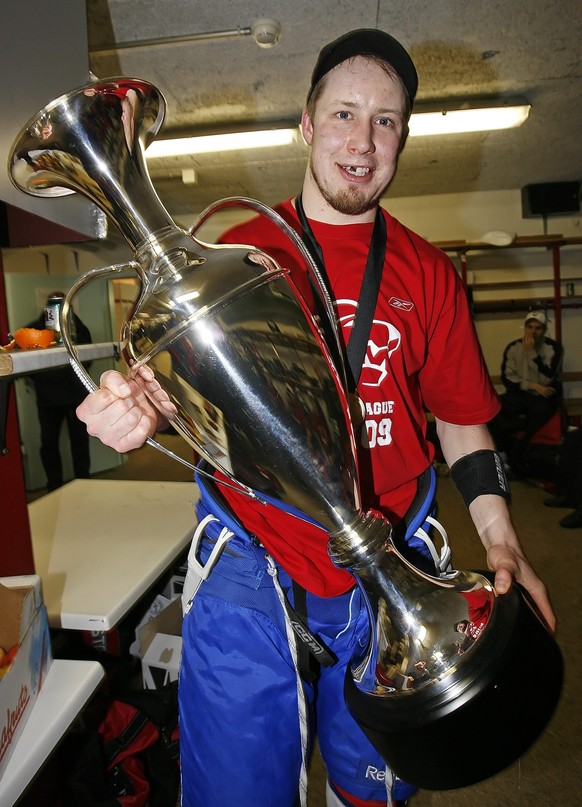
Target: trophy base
point(458, 732)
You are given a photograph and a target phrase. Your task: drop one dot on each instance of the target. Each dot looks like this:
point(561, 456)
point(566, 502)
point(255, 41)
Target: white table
point(100, 544)
point(66, 690)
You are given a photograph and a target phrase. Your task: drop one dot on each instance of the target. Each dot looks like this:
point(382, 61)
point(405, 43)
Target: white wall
point(468, 216)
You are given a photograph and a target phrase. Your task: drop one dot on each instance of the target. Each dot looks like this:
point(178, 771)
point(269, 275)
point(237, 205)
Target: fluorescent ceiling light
point(471, 119)
point(230, 141)
point(422, 123)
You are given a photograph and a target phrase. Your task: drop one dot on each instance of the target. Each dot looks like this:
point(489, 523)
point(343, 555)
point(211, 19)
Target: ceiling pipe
point(265, 32)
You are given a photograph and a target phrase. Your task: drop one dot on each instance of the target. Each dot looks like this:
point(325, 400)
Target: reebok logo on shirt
point(403, 305)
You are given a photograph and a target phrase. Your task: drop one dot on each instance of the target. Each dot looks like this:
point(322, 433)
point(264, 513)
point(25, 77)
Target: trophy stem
point(360, 541)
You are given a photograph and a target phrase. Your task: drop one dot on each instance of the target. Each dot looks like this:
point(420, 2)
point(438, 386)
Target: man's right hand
point(120, 414)
point(545, 392)
point(529, 343)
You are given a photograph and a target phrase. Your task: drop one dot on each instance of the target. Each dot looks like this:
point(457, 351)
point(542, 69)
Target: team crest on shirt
point(383, 341)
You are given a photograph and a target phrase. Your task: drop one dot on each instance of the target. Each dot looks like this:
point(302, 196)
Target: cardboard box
point(23, 622)
point(174, 586)
point(160, 646)
point(161, 663)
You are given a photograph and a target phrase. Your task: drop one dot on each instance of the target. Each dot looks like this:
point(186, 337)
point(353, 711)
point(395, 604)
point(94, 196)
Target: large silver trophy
point(258, 390)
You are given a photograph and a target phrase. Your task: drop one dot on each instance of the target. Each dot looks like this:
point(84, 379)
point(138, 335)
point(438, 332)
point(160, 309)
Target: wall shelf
point(14, 363)
point(553, 243)
point(520, 242)
point(499, 285)
point(523, 304)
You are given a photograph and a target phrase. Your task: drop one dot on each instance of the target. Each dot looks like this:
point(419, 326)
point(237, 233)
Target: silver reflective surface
point(425, 628)
point(244, 365)
point(92, 141)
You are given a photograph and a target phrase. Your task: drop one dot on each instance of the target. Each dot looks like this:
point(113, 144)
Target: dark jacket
point(544, 367)
point(60, 386)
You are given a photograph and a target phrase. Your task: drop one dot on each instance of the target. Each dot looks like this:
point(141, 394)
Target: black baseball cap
point(366, 42)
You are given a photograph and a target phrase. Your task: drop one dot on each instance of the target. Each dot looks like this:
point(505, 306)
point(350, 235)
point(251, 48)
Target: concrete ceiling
point(463, 49)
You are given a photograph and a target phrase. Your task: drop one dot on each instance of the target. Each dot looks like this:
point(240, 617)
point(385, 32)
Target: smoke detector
point(266, 32)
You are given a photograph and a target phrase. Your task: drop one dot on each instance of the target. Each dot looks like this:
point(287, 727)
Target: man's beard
point(350, 201)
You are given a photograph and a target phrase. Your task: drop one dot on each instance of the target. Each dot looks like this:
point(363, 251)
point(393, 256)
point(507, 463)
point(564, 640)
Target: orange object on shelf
point(8, 655)
point(27, 338)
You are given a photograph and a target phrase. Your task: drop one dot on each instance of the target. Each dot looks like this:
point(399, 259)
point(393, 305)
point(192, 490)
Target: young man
point(530, 371)
point(247, 720)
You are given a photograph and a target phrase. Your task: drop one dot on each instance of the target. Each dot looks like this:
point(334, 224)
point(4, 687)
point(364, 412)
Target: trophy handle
point(312, 268)
point(74, 360)
point(91, 386)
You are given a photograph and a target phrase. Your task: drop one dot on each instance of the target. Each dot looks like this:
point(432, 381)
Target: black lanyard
point(358, 340)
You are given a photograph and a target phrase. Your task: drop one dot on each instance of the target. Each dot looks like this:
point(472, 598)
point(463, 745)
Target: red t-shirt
point(480, 603)
point(422, 354)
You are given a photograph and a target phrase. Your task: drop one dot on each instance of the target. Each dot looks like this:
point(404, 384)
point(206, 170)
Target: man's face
point(355, 137)
point(534, 330)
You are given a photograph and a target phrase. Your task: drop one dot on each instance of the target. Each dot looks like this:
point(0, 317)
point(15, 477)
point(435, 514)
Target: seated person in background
point(569, 480)
point(530, 372)
point(58, 393)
